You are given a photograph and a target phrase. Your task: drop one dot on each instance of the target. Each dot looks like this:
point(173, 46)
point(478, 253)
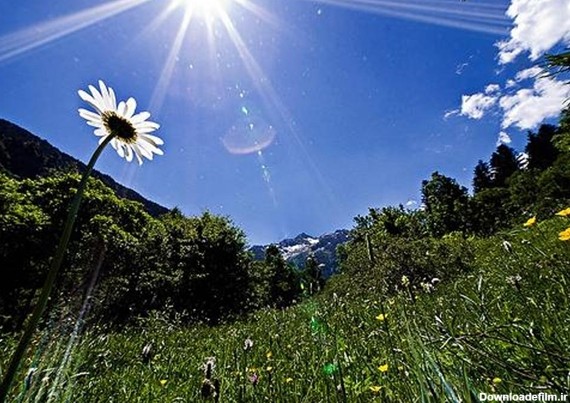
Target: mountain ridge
point(26, 156)
point(296, 250)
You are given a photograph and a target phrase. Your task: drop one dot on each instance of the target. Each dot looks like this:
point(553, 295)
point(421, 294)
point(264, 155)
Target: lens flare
point(249, 134)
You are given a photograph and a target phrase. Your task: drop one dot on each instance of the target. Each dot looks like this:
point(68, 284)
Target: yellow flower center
point(119, 127)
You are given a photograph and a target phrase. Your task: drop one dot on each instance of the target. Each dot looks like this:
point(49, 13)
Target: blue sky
point(288, 116)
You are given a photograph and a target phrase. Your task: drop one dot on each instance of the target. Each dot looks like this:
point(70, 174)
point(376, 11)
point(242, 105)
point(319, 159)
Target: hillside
point(24, 155)
point(500, 327)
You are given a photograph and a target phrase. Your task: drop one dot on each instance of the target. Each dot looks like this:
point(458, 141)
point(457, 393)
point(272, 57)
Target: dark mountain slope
point(25, 155)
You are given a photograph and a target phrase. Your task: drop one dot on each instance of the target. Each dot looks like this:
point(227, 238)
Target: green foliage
point(501, 326)
point(284, 282)
point(24, 155)
point(481, 177)
point(503, 164)
point(540, 148)
point(196, 267)
point(24, 233)
point(423, 309)
point(490, 211)
point(445, 204)
point(313, 274)
point(559, 63)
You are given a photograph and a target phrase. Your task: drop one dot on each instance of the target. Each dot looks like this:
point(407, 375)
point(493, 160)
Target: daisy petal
point(120, 150)
point(137, 154)
point(147, 125)
point(90, 100)
point(105, 95)
point(156, 140)
point(88, 115)
point(129, 154)
point(113, 99)
point(140, 117)
point(131, 106)
point(98, 98)
point(96, 124)
point(146, 153)
point(150, 147)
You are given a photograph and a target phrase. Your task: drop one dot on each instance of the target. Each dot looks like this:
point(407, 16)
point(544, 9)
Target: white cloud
point(411, 203)
point(532, 72)
point(474, 106)
point(538, 26)
point(504, 138)
point(492, 88)
point(460, 68)
point(450, 113)
point(528, 107)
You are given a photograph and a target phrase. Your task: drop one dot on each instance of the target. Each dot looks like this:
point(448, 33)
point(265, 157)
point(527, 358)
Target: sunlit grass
point(503, 327)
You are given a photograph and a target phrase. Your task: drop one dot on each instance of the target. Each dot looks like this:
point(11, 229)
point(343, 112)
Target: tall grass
point(504, 327)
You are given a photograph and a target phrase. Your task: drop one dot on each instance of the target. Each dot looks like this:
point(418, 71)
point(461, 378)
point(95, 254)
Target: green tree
point(482, 178)
point(314, 274)
point(540, 149)
point(211, 266)
point(489, 211)
point(284, 283)
point(446, 204)
point(24, 232)
point(503, 164)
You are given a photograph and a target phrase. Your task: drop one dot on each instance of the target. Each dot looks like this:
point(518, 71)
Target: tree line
point(391, 245)
point(128, 264)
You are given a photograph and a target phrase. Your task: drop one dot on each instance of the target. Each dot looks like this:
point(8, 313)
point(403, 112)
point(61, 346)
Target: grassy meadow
point(503, 326)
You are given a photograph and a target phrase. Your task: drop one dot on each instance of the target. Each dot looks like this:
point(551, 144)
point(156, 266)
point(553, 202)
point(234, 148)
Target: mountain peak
point(296, 250)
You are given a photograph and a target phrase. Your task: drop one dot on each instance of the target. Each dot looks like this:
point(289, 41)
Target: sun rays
point(475, 16)
point(220, 28)
point(28, 39)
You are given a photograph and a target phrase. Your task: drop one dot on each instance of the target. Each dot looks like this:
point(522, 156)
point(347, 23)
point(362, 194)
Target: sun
point(206, 9)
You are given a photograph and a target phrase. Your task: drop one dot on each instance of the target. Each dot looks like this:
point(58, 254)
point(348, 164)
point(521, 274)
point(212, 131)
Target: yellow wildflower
point(163, 382)
point(288, 380)
point(497, 380)
point(381, 317)
point(564, 235)
point(269, 355)
point(269, 369)
point(375, 389)
point(383, 368)
point(530, 222)
point(564, 213)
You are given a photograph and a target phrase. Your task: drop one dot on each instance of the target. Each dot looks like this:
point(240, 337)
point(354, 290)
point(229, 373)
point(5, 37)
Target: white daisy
point(131, 133)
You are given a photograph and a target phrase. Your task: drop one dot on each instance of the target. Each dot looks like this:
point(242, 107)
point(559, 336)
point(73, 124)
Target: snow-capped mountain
point(296, 250)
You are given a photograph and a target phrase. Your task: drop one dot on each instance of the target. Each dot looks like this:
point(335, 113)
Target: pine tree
point(540, 149)
point(481, 177)
point(503, 164)
point(314, 274)
point(283, 285)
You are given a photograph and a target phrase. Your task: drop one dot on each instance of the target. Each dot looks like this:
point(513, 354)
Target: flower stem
point(52, 275)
